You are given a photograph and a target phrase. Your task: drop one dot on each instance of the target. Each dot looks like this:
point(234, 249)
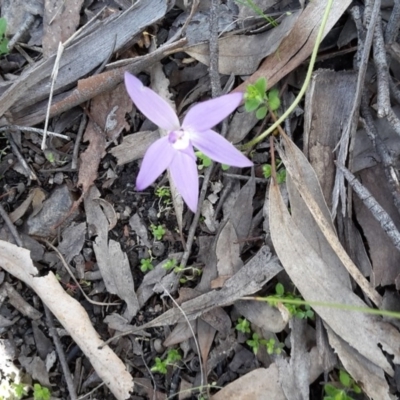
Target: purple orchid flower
point(175, 150)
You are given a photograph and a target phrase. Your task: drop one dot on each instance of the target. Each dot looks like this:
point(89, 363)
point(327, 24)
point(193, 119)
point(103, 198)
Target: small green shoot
point(273, 347)
point(243, 325)
point(297, 311)
point(170, 264)
point(3, 39)
point(193, 271)
point(164, 194)
point(161, 365)
point(157, 231)
point(20, 390)
point(204, 161)
point(225, 167)
point(258, 99)
point(341, 390)
point(280, 174)
point(40, 392)
point(255, 342)
point(146, 265)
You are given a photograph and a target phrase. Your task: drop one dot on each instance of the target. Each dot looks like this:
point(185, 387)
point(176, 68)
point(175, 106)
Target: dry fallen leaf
point(302, 252)
point(59, 23)
point(253, 48)
point(17, 262)
point(36, 197)
point(298, 45)
point(112, 261)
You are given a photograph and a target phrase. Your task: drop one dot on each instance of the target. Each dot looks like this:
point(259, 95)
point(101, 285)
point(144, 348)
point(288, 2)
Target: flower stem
point(305, 84)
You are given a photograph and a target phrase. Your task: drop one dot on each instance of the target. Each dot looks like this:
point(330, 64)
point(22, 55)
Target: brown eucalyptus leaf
point(59, 23)
point(241, 54)
point(316, 280)
point(298, 45)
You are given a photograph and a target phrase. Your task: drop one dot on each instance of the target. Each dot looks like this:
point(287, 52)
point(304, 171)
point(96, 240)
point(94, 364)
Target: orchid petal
point(156, 160)
point(213, 145)
point(184, 174)
point(150, 104)
point(209, 113)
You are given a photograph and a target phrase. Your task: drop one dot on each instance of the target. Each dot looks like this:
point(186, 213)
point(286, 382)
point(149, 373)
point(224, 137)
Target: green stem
point(341, 306)
point(305, 84)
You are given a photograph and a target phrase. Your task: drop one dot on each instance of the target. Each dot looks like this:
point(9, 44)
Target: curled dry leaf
point(17, 261)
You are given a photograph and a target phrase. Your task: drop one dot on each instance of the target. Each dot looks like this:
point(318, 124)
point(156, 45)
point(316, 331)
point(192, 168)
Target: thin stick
point(68, 268)
point(61, 354)
point(21, 159)
point(191, 330)
point(382, 71)
point(54, 75)
point(30, 129)
point(82, 125)
point(10, 226)
point(213, 47)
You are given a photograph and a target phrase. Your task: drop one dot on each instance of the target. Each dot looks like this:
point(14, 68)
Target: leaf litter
point(90, 228)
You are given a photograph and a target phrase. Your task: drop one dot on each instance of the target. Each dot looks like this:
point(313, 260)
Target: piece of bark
point(328, 104)
point(86, 53)
point(250, 279)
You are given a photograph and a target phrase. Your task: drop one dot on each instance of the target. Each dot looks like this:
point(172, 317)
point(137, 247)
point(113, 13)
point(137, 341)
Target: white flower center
point(180, 140)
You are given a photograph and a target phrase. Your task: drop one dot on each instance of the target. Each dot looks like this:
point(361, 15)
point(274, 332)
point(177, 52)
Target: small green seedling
point(255, 342)
point(161, 365)
point(259, 100)
point(243, 325)
point(20, 390)
point(340, 390)
point(273, 347)
point(193, 271)
point(301, 312)
point(280, 174)
point(40, 392)
point(170, 264)
point(3, 39)
point(225, 167)
point(157, 231)
point(146, 265)
point(164, 193)
point(204, 161)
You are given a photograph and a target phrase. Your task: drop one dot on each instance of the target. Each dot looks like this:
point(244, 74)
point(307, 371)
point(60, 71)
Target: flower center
point(180, 140)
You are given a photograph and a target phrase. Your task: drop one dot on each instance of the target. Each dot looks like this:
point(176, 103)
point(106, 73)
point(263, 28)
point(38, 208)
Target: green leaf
point(273, 99)
point(356, 389)
point(225, 167)
point(3, 46)
point(330, 389)
point(281, 176)
point(206, 161)
point(261, 86)
point(345, 379)
point(251, 104)
point(279, 289)
point(261, 112)
point(3, 26)
point(267, 169)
